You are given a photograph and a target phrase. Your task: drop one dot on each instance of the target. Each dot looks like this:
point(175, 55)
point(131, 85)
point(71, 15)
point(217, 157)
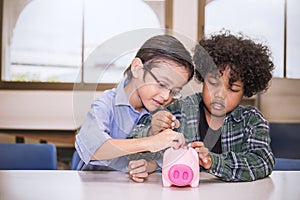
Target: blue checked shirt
point(246, 152)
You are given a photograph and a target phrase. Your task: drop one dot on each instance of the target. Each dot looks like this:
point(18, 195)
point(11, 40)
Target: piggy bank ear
point(171, 156)
point(194, 153)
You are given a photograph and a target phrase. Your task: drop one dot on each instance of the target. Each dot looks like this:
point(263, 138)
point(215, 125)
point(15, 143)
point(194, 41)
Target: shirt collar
point(121, 97)
point(237, 114)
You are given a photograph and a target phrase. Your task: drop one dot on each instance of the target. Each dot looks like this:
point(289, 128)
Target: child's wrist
point(151, 166)
point(147, 144)
point(150, 132)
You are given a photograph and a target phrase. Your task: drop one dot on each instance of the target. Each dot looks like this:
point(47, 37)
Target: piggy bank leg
point(195, 181)
point(166, 182)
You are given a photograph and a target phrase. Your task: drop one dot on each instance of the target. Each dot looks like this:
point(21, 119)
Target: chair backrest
point(286, 164)
point(75, 160)
point(28, 156)
point(285, 140)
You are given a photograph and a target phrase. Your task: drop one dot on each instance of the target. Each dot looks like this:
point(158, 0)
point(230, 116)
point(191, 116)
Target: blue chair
point(75, 160)
point(285, 140)
point(28, 156)
point(286, 164)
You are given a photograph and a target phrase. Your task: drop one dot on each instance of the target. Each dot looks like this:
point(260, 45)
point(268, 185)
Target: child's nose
point(220, 92)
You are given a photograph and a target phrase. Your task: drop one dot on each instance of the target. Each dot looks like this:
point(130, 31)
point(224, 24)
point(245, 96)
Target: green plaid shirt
point(246, 152)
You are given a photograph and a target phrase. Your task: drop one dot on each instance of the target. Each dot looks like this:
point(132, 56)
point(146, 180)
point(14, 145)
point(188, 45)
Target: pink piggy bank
point(180, 167)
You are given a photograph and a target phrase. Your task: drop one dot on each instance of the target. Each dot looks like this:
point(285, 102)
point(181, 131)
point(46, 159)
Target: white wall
point(52, 110)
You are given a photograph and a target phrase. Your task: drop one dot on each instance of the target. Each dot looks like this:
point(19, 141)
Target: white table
point(73, 185)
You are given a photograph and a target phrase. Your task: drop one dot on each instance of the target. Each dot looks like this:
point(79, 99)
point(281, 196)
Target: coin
point(177, 123)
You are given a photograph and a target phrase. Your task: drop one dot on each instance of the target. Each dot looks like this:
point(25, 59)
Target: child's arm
point(139, 170)
point(113, 148)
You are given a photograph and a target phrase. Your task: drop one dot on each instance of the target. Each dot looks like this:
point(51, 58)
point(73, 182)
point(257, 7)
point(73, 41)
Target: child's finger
point(135, 164)
point(203, 154)
point(166, 118)
point(138, 170)
point(176, 123)
point(197, 144)
point(138, 179)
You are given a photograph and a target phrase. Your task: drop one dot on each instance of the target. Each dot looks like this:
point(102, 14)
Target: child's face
point(156, 87)
point(219, 96)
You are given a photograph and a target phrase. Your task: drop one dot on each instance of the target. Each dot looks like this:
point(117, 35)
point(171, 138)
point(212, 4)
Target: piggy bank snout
point(180, 167)
point(180, 174)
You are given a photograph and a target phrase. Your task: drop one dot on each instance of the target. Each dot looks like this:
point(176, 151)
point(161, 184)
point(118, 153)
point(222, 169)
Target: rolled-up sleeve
point(90, 137)
point(95, 129)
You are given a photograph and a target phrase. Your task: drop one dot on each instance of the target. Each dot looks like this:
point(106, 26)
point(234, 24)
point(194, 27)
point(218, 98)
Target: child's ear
point(137, 67)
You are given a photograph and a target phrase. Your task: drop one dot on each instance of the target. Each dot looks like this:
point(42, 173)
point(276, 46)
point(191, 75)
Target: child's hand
point(165, 139)
point(162, 120)
point(203, 153)
point(139, 170)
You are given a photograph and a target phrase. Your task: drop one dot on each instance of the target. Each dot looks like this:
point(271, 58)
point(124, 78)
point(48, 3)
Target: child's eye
point(232, 90)
point(162, 84)
point(212, 82)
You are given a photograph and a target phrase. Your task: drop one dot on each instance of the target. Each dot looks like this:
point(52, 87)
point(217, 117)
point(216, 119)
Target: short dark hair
point(249, 61)
point(167, 47)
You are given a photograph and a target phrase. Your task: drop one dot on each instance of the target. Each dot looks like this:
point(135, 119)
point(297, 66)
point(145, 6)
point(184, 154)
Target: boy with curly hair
point(232, 141)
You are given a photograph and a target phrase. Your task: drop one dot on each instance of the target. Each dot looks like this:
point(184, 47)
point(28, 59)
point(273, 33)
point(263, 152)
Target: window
point(264, 21)
point(53, 42)
point(293, 40)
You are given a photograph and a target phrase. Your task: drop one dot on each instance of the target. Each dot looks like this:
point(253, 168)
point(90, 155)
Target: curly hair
point(249, 62)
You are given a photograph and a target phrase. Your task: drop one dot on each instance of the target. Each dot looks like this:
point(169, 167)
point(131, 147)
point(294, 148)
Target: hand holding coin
point(176, 123)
